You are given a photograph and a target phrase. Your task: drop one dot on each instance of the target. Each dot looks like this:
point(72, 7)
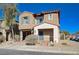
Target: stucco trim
point(47, 23)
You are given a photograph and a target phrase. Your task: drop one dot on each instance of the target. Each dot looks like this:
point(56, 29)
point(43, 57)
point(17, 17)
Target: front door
point(41, 35)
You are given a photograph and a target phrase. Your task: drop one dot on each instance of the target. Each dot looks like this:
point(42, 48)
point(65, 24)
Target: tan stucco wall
point(26, 26)
point(54, 20)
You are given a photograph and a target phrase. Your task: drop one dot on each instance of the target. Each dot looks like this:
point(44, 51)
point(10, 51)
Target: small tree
point(10, 13)
point(77, 32)
point(64, 34)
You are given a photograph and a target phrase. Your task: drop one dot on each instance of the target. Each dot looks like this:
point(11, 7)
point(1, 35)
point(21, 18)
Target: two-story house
point(45, 25)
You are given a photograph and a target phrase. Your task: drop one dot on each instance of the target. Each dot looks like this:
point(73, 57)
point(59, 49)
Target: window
point(25, 20)
point(25, 17)
point(39, 20)
point(49, 16)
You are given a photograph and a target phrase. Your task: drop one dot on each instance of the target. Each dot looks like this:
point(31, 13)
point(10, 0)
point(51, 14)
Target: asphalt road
point(20, 52)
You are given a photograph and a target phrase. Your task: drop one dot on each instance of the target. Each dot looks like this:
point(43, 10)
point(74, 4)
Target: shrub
point(31, 39)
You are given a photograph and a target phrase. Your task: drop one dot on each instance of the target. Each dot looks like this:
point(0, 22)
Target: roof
point(42, 13)
point(46, 12)
point(50, 11)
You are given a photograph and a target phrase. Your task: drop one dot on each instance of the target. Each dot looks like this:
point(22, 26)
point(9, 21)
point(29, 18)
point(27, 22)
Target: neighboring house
point(7, 32)
point(74, 36)
point(45, 25)
point(0, 25)
point(1, 28)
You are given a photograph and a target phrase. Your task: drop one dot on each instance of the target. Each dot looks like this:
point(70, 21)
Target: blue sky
point(69, 13)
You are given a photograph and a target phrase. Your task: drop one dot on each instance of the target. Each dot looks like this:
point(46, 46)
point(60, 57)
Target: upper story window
point(25, 20)
point(49, 16)
point(39, 20)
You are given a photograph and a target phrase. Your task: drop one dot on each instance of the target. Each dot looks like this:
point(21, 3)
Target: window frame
point(25, 21)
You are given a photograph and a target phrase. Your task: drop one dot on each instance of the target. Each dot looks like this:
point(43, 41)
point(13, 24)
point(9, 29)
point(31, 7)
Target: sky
point(69, 13)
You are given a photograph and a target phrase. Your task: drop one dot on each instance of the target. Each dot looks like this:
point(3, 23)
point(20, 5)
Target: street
point(18, 52)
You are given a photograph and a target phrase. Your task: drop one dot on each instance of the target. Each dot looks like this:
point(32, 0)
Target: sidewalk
point(47, 49)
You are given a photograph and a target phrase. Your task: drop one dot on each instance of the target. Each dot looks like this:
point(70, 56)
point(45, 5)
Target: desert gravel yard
point(70, 47)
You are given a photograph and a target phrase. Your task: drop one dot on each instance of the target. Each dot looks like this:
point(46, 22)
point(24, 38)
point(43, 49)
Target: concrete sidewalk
point(47, 49)
point(66, 50)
